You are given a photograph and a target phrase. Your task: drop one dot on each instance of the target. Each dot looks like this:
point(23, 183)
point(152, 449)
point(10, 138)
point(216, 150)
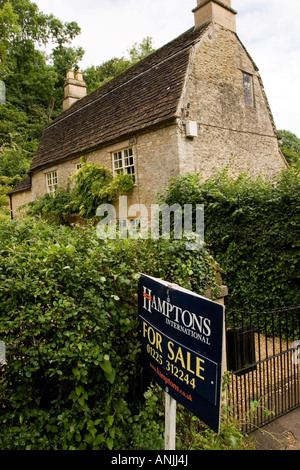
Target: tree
point(139, 51)
point(8, 27)
point(290, 146)
point(33, 80)
point(97, 76)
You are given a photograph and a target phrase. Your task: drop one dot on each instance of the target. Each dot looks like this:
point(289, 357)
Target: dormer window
point(51, 181)
point(248, 89)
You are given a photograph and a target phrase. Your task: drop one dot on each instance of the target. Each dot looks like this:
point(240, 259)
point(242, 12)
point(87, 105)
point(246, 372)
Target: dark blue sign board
point(182, 343)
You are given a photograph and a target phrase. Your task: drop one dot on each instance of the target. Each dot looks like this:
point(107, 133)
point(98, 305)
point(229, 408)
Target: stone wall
point(19, 201)
point(156, 162)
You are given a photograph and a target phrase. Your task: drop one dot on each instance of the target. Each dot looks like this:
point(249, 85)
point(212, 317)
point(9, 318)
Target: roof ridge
point(144, 95)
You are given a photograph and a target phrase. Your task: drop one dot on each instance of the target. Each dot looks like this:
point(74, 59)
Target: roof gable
point(146, 94)
point(24, 185)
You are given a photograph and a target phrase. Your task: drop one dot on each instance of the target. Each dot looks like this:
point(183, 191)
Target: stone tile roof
point(145, 95)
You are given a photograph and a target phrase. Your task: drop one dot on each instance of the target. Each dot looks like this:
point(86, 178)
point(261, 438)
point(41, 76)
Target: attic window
point(123, 162)
point(51, 181)
point(248, 89)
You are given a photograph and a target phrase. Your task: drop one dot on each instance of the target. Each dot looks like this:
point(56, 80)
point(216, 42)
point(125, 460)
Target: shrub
point(53, 208)
point(92, 185)
point(68, 304)
point(252, 230)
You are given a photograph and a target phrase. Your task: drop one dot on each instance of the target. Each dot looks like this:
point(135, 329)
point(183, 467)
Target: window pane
point(122, 223)
point(123, 162)
point(248, 89)
point(51, 180)
point(118, 160)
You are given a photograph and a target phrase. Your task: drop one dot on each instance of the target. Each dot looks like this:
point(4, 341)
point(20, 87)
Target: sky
point(269, 30)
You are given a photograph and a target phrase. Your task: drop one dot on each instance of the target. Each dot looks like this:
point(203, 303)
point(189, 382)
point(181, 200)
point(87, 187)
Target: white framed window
point(248, 89)
point(122, 224)
point(135, 224)
point(123, 162)
point(78, 166)
point(51, 182)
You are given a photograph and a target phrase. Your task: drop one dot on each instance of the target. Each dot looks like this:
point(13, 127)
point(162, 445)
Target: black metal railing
point(263, 357)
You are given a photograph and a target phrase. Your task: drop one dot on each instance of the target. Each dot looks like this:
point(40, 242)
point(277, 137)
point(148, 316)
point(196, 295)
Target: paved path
point(281, 434)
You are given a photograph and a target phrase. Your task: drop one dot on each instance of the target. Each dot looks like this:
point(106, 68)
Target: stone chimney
point(217, 11)
point(74, 88)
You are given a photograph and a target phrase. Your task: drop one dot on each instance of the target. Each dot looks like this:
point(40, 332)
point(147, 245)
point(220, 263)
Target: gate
point(263, 358)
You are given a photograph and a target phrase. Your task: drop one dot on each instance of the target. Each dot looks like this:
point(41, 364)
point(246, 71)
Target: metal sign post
point(170, 422)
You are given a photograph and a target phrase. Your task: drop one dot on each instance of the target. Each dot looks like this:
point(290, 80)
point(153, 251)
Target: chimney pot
point(74, 89)
point(79, 76)
point(70, 74)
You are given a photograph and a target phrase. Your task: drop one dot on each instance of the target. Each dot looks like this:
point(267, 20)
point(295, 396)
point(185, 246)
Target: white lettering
point(147, 299)
point(207, 326)
point(190, 323)
point(122, 460)
point(184, 315)
point(161, 306)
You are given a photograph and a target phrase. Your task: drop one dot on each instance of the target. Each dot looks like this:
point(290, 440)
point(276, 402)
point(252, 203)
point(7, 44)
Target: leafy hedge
point(252, 229)
point(68, 316)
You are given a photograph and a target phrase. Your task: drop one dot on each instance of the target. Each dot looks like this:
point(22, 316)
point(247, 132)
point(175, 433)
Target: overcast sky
point(269, 30)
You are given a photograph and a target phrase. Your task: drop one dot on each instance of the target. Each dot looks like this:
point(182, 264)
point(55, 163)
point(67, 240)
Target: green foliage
point(8, 28)
point(34, 80)
point(192, 434)
point(289, 140)
point(68, 304)
point(290, 146)
point(53, 208)
point(147, 427)
point(138, 52)
point(92, 188)
point(97, 76)
point(291, 157)
point(252, 229)
point(33, 84)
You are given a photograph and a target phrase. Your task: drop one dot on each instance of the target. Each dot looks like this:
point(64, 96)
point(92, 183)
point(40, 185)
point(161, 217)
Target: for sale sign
point(182, 342)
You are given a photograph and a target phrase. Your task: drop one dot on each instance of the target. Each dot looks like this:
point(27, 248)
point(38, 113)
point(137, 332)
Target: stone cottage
point(194, 105)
